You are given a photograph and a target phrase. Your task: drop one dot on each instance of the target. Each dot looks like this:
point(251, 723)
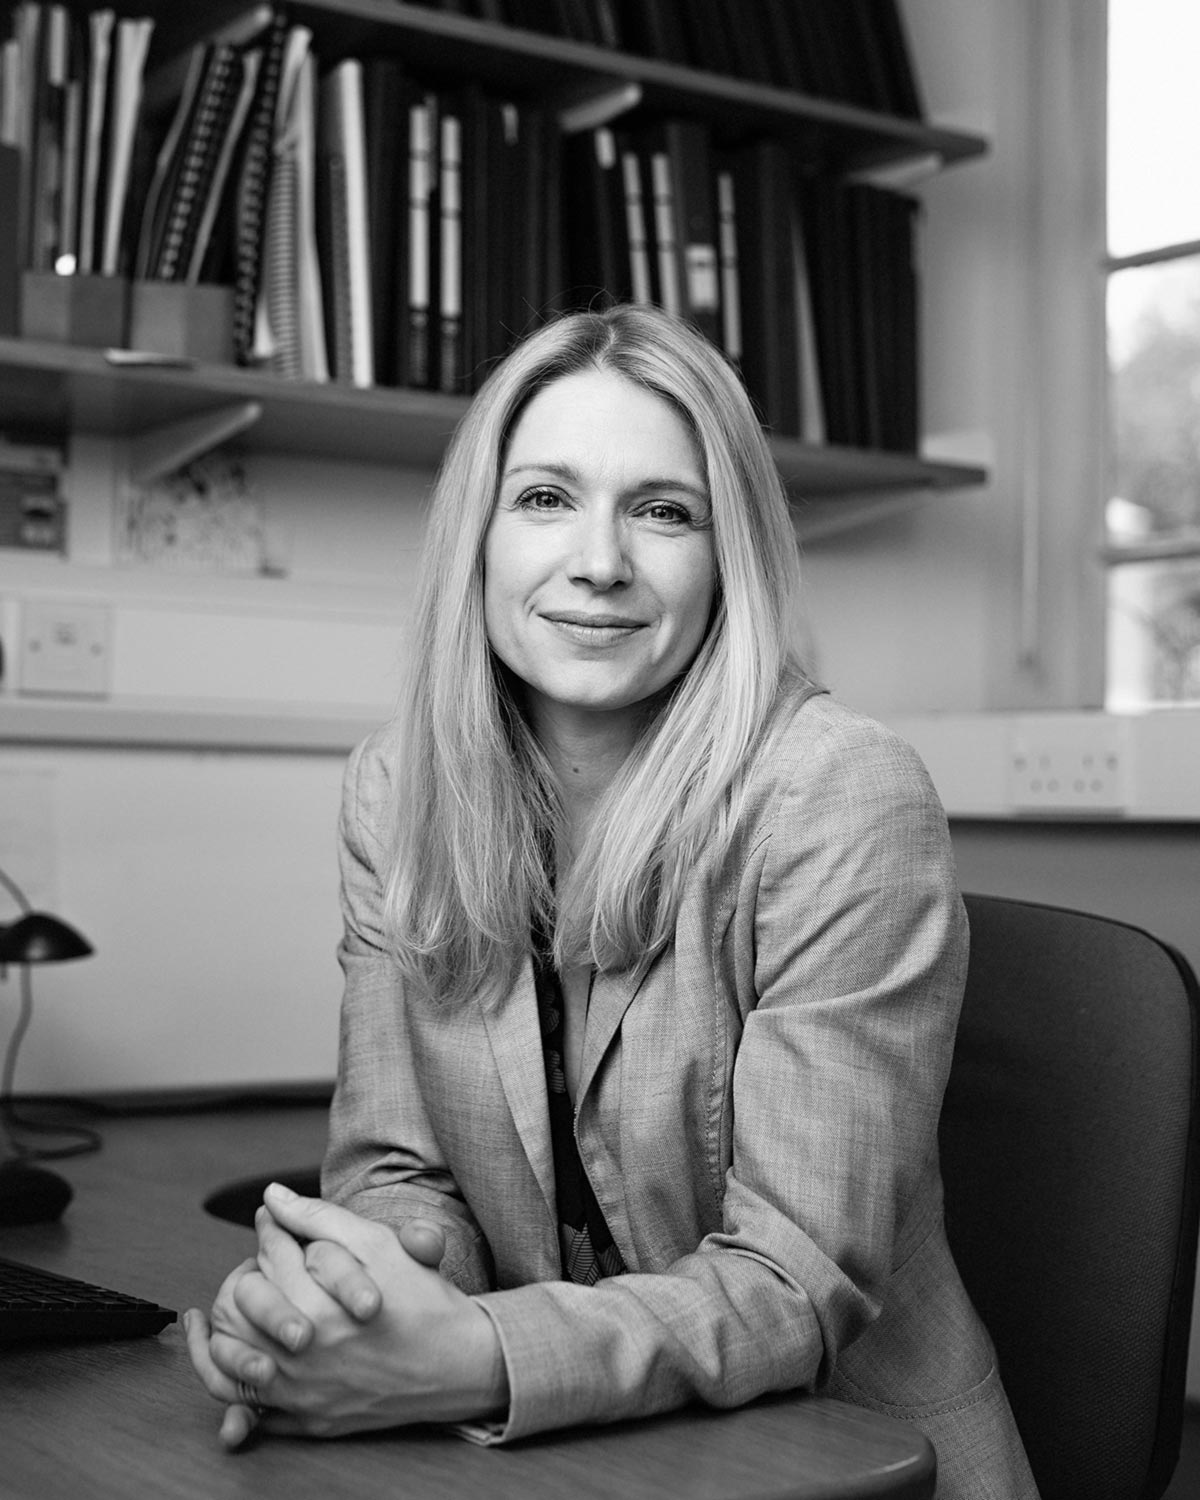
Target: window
point(1152, 519)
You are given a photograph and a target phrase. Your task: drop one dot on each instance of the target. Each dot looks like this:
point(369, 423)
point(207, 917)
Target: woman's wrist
point(488, 1401)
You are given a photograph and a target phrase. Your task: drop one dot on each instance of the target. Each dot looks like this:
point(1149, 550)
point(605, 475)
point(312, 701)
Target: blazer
point(758, 1118)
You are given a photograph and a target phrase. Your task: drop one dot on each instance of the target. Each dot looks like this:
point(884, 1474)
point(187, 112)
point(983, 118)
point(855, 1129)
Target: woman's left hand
point(429, 1354)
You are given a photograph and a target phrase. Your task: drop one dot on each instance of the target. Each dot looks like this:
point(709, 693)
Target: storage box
point(188, 322)
point(88, 310)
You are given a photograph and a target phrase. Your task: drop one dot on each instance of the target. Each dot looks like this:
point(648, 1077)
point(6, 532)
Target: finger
point(270, 1312)
point(278, 1249)
point(424, 1241)
point(238, 1424)
point(241, 1363)
point(242, 1422)
point(342, 1275)
point(314, 1219)
point(214, 1380)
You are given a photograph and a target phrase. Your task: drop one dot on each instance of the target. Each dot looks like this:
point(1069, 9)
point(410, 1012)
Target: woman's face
point(599, 570)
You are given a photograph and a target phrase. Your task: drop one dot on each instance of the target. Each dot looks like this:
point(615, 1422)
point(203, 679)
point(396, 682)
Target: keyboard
point(44, 1306)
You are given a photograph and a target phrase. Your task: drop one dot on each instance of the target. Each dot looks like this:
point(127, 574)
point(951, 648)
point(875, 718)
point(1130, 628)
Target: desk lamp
point(29, 1194)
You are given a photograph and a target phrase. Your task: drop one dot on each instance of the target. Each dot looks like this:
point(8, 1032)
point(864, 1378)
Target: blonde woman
point(653, 959)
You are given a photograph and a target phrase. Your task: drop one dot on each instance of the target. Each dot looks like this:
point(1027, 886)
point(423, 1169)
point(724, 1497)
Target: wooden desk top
point(111, 1421)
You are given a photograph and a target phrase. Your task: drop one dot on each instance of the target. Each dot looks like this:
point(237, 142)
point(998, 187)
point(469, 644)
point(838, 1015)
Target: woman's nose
point(600, 555)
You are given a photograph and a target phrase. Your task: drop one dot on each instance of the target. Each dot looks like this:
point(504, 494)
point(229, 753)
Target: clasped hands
point(341, 1325)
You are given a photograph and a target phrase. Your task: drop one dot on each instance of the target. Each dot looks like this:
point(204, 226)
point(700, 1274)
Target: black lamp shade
point(39, 938)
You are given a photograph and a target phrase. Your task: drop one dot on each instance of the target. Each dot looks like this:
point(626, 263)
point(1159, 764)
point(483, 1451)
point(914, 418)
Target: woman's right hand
point(336, 1271)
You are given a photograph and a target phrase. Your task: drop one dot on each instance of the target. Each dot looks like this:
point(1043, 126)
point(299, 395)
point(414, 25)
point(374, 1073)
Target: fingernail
point(186, 1320)
point(281, 1191)
point(293, 1335)
point(364, 1305)
point(257, 1371)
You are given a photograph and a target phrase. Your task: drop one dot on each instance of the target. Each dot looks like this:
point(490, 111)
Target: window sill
point(1066, 766)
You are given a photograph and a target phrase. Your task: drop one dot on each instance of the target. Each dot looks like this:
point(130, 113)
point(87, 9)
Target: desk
point(128, 1419)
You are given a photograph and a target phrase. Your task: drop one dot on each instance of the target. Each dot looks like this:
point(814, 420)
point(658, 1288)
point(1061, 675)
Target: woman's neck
point(586, 753)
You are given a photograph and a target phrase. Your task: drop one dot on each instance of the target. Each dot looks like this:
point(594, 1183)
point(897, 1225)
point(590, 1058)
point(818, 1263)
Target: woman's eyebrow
point(560, 471)
point(566, 472)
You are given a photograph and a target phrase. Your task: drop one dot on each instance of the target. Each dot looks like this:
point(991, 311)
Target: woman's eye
point(539, 499)
point(668, 511)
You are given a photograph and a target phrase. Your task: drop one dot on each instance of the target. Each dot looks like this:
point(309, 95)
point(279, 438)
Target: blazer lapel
point(516, 1040)
point(612, 995)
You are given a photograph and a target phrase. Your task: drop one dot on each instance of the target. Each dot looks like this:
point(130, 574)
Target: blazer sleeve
point(854, 934)
point(383, 1160)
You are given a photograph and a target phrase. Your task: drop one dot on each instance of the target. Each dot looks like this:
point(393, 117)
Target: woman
point(653, 961)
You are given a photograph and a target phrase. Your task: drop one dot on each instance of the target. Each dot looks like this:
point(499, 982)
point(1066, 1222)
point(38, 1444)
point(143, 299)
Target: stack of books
point(378, 227)
point(70, 99)
point(808, 284)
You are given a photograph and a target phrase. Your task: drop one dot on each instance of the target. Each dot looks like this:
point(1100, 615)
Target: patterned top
point(587, 1248)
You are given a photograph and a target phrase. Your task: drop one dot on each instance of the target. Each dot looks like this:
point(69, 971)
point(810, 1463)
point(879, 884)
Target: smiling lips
point(592, 630)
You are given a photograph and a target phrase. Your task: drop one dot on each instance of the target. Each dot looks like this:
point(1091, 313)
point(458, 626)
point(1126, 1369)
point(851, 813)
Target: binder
point(388, 94)
point(10, 249)
point(101, 24)
point(762, 175)
point(450, 251)
point(596, 234)
point(689, 157)
point(342, 226)
point(253, 188)
point(132, 43)
point(200, 147)
point(422, 238)
point(637, 208)
point(215, 197)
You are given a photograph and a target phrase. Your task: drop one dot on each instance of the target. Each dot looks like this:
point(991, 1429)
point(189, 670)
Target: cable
point(85, 1139)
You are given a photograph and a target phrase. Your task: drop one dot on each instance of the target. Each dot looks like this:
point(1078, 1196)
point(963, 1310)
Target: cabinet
point(47, 391)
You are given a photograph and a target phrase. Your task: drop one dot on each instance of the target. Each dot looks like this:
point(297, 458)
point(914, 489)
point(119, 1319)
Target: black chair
point(1070, 1144)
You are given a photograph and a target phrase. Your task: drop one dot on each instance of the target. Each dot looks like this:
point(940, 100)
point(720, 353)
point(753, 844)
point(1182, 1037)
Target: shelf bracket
point(161, 450)
point(590, 106)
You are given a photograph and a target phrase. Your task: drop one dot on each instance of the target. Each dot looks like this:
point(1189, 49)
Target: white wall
point(207, 884)
point(206, 880)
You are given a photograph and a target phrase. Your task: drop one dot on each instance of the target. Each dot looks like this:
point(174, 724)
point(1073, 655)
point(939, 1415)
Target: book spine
point(666, 246)
point(730, 273)
point(100, 30)
point(635, 219)
point(450, 281)
point(10, 251)
point(199, 156)
point(422, 125)
point(253, 190)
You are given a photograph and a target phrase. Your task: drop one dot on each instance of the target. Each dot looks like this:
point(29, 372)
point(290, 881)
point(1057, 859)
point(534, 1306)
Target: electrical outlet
point(66, 650)
point(1069, 767)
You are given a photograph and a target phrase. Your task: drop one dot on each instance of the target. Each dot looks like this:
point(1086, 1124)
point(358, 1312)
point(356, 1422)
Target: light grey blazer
point(757, 1118)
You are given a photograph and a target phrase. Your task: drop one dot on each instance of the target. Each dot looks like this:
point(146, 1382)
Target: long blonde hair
point(477, 812)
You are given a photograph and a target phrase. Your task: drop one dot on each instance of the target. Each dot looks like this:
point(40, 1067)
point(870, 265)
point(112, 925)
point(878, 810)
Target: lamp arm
point(10, 1062)
point(15, 892)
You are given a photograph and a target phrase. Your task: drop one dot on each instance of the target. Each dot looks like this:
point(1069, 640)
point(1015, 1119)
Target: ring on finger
point(248, 1395)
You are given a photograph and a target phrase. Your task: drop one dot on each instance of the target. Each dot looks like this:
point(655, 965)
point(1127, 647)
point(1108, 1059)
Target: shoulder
point(368, 783)
point(816, 748)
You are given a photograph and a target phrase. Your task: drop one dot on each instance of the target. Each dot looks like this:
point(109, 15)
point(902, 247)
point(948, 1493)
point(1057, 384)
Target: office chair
point(1070, 1144)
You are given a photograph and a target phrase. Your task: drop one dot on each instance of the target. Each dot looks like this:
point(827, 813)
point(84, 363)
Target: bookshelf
point(49, 391)
point(154, 413)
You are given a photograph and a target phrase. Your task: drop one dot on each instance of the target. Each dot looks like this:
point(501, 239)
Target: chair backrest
point(1070, 1143)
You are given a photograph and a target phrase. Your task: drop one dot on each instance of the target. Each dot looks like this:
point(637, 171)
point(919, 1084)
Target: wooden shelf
point(560, 71)
point(50, 390)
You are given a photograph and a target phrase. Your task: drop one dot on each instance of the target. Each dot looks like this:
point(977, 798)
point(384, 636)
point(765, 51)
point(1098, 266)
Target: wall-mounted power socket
point(66, 649)
point(1075, 767)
